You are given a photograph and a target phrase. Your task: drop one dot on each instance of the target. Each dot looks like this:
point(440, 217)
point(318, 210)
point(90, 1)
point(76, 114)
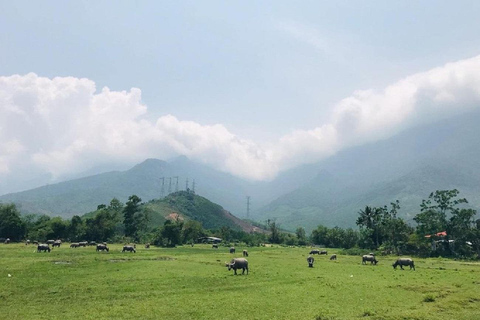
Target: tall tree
point(433, 211)
point(370, 218)
point(129, 211)
point(301, 236)
point(11, 225)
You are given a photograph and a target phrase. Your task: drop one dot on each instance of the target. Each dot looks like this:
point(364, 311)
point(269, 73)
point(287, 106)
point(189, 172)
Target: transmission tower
point(163, 186)
point(248, 207)
point(176, 184)
point(193, 186)
point(169, 185)
point(186, 184)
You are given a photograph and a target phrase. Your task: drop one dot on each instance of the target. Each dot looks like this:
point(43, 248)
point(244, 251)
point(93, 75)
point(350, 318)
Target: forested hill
point(185, 206)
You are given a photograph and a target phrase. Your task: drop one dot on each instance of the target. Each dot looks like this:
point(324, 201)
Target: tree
point(319, 235)
point(433, 217)
point(192, 230)
point(172, 232)
point(433, 211)
point(301, 236)
point(59, 228)
point(11, 225)
point(129, 212)
point(76, 229)
point(370, 218)
point(274, 233)
point(101, 227)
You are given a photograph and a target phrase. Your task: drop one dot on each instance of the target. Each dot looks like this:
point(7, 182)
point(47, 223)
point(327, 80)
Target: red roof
point(438, 234)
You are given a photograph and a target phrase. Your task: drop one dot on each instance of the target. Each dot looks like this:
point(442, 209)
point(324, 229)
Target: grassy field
point(192, 283)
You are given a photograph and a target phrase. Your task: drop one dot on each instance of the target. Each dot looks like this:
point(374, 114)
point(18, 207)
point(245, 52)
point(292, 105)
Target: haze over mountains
point(406, 167)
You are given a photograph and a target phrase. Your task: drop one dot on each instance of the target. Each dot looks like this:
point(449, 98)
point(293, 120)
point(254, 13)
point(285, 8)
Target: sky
point(252, 88)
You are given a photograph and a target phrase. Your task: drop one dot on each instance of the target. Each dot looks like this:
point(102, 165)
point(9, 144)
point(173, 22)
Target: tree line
point(444, 226)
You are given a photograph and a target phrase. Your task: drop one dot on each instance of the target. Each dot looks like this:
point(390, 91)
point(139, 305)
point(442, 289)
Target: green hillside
point(186, 205)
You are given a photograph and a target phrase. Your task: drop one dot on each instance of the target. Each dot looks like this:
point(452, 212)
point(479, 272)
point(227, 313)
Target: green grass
point(192, 283)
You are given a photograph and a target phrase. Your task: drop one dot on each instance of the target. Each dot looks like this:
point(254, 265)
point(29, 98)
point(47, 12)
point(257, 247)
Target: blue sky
point(266, 77)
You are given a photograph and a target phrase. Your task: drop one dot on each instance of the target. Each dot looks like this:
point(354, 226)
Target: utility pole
point(248, 207)
point(163, 186)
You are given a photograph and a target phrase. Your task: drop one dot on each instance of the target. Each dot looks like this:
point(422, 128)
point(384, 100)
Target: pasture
point(193, 283)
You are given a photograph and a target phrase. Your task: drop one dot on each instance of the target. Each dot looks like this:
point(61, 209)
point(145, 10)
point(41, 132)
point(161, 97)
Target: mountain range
point(407, 167)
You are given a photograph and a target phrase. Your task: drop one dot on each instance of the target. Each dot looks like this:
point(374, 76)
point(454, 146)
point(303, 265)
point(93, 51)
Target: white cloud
point(63, 125)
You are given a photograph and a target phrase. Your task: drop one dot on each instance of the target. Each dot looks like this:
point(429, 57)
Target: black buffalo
point(370, 258)
point(129, 248)
point(310, 261)
point(238, 263)
point(102, 247)
point(43, 247)
point(404, 262)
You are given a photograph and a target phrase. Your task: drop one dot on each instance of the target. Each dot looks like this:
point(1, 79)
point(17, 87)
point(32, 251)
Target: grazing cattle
point(232, 250)
point(35, 243)
point(56, 243)
point(102, 247)
point(323, 252)
point(310, 261)
point(43, 247)
point(92, 243)
point(245, 253)
point(7, 241)
point(27, 242)
point(129, 248)
point(50, 242)
point(315, 252)
point(370, 258)
point(214, 246)
point(404, 262)
point(147, 245)
point(75, 245)
point(238, 263)
point(82, 244)
point(333, 257)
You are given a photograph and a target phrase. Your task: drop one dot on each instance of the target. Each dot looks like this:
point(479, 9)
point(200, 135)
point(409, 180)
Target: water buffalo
point(404, 262)
point(129, 248)
point(43, 247)
point(310, 261)
point(370, 258)
point(147, 245)
point(56, 243)
point(7, 241)
point(238, 263)
point(232, 250)
point(333, 257)
point(245, 253)
point(323, 252)
point(92, 243)
point(74, 245)
point(315, 252)
point(102, 247)
point(214, 246)
point(82, 244)
point(50, 242)
point(27, 242)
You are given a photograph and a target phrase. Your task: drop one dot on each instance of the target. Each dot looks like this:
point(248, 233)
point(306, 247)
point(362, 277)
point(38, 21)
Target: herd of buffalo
point(235, 263)
point(408, 262)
